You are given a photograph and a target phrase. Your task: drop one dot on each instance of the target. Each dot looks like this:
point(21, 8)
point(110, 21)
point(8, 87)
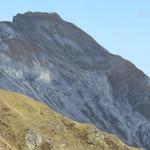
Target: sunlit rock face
point(49, 59)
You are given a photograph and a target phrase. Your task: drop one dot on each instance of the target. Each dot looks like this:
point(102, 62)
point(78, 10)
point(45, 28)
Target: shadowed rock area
point(53, 61)
point(28, 125)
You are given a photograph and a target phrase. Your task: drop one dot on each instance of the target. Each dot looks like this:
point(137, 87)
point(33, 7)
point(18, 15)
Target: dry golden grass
point(28, 125)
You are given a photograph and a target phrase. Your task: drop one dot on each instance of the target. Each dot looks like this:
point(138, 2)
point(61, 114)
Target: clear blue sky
point(121, 26)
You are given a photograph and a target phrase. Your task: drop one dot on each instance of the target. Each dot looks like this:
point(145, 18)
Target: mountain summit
point(49, 59)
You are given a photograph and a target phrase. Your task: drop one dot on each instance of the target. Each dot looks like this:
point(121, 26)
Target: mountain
point(28, 125)
point(53, 61)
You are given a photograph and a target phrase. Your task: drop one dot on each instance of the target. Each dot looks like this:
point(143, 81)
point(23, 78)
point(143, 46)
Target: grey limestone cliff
point(49, 59)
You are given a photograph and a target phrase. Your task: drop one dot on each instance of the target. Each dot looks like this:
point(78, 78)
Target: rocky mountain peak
point(31, 20)
point(57, 63)
point(37, 16)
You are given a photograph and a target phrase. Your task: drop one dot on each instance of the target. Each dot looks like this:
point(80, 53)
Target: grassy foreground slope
point(28, 125)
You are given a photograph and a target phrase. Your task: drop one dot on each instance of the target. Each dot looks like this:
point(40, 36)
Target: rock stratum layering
point(28, 125)
point(53, 61)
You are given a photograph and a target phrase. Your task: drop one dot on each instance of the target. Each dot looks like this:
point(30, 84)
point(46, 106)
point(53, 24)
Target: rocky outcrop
point(55, 62)
point(28, 125)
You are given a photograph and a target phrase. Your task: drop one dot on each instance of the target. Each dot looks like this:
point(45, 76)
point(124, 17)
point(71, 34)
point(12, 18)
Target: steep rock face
point(53, 61)
point(28, 125)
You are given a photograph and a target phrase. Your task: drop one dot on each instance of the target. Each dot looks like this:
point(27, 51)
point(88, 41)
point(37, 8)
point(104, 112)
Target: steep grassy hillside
point(28, 125)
